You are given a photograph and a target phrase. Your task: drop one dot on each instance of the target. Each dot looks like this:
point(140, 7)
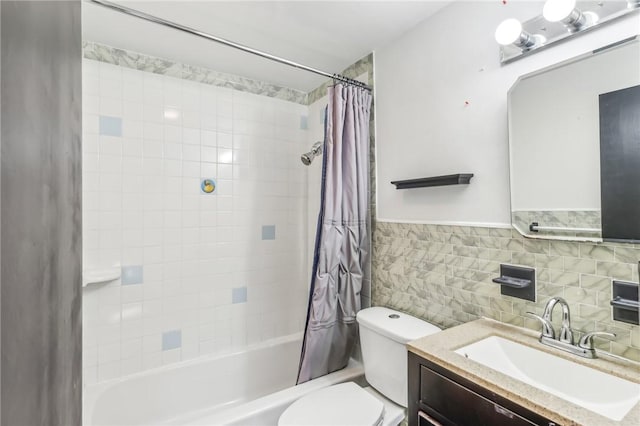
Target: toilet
point(383, 336)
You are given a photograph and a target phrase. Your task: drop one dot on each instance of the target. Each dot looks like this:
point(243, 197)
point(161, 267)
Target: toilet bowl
point(383, 336)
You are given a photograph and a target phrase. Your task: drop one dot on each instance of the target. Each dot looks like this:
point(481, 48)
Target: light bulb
point(565, 11)
point(558, 10)
point(508, 32)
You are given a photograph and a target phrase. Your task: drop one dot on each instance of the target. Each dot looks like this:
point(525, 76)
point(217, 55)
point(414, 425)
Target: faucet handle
point(586, 341)
point(547, 327)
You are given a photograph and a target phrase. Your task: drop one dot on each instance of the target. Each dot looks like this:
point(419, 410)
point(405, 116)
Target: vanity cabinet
point(438, 396)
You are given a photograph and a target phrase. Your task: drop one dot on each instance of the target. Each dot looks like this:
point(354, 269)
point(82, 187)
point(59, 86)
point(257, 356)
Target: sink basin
point(602, 393)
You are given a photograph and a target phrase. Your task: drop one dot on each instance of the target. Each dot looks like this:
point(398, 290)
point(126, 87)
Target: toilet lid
point(343, 404)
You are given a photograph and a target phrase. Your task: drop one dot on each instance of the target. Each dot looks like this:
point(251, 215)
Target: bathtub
point(252, 387)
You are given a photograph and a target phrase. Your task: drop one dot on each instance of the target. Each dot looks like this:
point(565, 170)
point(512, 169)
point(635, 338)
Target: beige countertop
point(439, 347)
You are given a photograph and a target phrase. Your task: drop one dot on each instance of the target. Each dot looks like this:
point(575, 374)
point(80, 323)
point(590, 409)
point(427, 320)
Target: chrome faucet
point(566, 334)
point(584, 348)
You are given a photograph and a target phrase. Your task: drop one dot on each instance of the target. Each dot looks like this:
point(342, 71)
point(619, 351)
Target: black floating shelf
point(457, 179)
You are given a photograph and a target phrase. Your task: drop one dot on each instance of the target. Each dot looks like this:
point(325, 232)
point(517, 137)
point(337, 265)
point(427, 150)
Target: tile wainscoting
point(443, 274)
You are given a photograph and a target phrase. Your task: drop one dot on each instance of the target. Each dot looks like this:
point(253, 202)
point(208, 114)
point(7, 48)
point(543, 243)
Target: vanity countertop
point(439, 348)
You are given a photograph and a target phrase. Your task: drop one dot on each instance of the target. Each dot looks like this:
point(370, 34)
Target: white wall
point(424, 128)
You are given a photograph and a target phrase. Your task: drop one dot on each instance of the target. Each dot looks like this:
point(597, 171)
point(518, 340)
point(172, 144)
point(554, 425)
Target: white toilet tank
point(383, 336)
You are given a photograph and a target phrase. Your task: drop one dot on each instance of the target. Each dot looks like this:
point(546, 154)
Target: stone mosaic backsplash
point(559, 218)
point(143, 62)
point(443, 274)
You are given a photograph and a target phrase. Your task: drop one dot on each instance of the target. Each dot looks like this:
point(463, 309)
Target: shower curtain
point(342, 250)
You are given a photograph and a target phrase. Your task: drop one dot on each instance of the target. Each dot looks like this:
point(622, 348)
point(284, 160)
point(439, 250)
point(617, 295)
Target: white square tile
point(91, 104)
point(131, 365)
point(90, 77)
point(191, 136)
point(108, 371)
point(153, 166)
point(152, 360)
point(132, 91)
point(191, 169)
point(152, 255)
point(108, 334)
point(191, 118)
point(209, 138)
point(191, 152)
point(171, 356)
point(225, 124)
point(152, 149)
point(225, 156)
point(132, 255)
point(152, 131)
point(208, 170)
point(110, 107)
point(90, 124)
point(131, 311)
point(209, 121)
point(153, 113)
point(173, 95)
point(90, 163)
point(225, 140)
point(172, 167)
point(110, 88)
point(132, 128)
point(172, 133)
point(132, 147)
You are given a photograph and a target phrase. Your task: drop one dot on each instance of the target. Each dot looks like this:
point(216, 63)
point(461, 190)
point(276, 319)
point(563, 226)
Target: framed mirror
point(574, 148)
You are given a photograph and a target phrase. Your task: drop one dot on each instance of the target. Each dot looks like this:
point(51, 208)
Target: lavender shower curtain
point(342, 249)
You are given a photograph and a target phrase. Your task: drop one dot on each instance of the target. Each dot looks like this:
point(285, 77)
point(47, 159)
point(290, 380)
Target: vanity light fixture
point(559, 21)
point(566, 12)
point(510, 32)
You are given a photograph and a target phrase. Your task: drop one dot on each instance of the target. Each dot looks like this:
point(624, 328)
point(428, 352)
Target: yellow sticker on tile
point(208, 186)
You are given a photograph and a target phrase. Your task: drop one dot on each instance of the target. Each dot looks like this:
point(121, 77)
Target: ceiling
point(328, 35)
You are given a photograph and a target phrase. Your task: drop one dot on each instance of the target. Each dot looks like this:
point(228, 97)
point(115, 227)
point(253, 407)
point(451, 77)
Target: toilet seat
point(342, 404)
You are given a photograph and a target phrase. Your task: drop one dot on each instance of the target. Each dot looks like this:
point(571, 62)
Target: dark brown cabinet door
point(461, 406)
point(439, 397)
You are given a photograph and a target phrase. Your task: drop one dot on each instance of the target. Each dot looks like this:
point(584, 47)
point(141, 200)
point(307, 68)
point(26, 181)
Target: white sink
point(602, 393)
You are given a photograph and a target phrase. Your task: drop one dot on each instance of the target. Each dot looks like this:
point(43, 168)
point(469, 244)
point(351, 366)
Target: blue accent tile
point(304, 122)
point(171, 340)
point(110, 126)
point(268, 232)
point(239, 295)
point(132, 274)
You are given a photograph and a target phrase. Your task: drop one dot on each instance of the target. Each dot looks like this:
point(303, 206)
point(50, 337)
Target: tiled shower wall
point(443, 275)
point(201, 273)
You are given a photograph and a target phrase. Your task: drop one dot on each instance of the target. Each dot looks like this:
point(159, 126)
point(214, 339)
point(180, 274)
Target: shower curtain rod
point(183, 28)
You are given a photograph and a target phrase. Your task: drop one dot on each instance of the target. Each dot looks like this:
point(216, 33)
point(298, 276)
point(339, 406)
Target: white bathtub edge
point(276, 401)
point(91, 393)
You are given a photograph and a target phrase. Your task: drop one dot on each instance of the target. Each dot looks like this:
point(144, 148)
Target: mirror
point(574, 147)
